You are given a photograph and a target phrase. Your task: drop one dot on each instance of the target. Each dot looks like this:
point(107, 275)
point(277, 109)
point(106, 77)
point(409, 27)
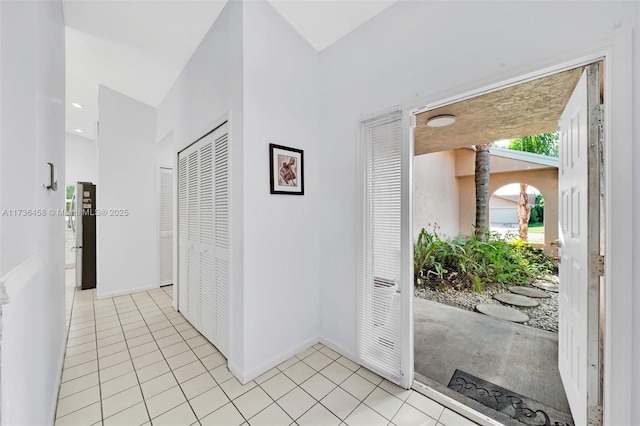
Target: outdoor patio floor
point(520, 358)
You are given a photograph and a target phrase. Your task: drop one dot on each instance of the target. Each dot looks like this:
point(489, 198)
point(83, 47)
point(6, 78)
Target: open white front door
point(579, 249)
point(385, 249)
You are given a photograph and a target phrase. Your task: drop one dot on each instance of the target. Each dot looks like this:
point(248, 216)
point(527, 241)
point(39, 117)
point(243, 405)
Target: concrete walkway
point(517, 357)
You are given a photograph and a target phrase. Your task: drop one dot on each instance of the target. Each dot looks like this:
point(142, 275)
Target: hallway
point(134, 360)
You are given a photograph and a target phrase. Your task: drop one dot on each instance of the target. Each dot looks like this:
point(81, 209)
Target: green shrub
point(472, 263)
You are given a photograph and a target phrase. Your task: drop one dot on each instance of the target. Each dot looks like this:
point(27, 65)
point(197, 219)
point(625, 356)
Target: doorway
point(489, 347)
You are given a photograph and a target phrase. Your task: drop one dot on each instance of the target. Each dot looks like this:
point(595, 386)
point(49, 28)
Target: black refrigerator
point(86, 235)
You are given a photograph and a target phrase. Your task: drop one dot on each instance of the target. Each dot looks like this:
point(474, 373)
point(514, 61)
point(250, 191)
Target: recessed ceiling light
point(78, 130)
point(441, 120)
point(77, 105)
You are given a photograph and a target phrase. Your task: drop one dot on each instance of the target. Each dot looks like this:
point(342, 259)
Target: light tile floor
point(134, 360)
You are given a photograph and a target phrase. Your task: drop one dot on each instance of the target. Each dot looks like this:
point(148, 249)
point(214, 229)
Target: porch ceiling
point(522, 110)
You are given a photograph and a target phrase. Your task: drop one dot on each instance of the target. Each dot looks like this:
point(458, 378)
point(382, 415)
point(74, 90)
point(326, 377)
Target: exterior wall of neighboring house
point(505, 171)
point(502, 211)
point(545, 181)
point(435, 195)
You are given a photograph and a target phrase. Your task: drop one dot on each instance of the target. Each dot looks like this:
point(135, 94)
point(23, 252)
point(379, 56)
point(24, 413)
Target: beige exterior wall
point(435, 196)
point(545, 180)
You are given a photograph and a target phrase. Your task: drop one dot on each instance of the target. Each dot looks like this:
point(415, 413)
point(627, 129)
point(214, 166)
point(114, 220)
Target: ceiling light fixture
point(77, 105)
point(441, 120)
point(78, 130)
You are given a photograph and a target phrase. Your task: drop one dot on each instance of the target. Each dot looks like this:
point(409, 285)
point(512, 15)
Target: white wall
point(281, 87)
point(635, 377)
point(127, 255)
point(81, 160)
point(266, 79)
point(209, 89)
point(32, 133)
point(422, 50)
point(435, 193)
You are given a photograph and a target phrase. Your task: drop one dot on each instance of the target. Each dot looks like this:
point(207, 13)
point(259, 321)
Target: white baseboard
point(245, 377)
point(58, 380)
point(339, 349)
point(125, 292)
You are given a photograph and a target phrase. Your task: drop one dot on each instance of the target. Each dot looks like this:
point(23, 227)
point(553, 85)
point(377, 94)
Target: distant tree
point(70, 190)
point(544, 143)
point(524, 211)
point(482, 172)
point(537, 211)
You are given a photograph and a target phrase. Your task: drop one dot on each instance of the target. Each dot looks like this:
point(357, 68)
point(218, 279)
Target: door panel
point(166, 226)
point(383, 316)
point(579, 208)
point(203, 232)
point(183, 268)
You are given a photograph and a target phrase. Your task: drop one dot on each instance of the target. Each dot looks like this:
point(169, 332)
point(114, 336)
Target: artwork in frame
point(286, 170)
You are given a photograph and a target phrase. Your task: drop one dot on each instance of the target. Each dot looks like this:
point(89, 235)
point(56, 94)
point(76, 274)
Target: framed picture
point(286, 166)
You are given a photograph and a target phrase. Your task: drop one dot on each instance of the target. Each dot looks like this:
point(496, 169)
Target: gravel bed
point(544, 316)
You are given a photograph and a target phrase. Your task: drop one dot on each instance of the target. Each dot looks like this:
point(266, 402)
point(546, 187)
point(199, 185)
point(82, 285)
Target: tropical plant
point(543, 143)
point(473, 263)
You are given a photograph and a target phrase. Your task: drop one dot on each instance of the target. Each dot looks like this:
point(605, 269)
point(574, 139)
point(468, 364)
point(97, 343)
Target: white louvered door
point(384, 311)
point(166, 226)
point(203, 205)
point(193, 238)
point(221, 241)
point(207, 283)
point(183, 252)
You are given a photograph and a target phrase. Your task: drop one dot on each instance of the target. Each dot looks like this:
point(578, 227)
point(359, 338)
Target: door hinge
point(597, 264)
point(597, 115)
point(594, 414)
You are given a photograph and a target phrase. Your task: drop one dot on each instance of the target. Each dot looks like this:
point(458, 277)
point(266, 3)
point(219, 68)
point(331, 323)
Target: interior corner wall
point(81, 157)
point(400, 57)
point(281, 87)
point(32, 88)
point(127, 235)
point(209, 90)
point(636, 214)
point(435, 194)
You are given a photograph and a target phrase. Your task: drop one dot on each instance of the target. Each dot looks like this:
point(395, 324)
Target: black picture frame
point(286, 170)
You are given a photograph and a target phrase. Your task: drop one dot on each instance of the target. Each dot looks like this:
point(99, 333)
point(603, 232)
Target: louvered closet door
point(207, 284)
point(221, 241)
point(193, 238)
point(203, 224)
point(183, 264)
point(383, 282)
point(166, 226)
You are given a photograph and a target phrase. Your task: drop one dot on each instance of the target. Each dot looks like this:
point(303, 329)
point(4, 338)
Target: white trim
point(529, 157)
point(58, 380)
point(21, 269)
point(246, 376)
point(618, 81)
point(125, 292)
point(351, 356)
point(454, 405)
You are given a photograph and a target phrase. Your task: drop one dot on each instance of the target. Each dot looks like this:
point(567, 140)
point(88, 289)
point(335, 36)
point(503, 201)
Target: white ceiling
point(140, 47)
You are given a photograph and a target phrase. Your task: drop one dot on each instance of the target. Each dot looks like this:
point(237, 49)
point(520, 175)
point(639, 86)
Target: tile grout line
point(171, 368)
point(144, 401)
point(75, 393)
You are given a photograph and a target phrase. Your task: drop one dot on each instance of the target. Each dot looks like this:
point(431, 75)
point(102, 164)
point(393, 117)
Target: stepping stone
point(502, 312)
point(529, 292)
point(552, 287)
point(516, 300)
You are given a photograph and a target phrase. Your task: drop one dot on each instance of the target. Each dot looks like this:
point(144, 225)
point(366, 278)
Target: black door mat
point(512, 404)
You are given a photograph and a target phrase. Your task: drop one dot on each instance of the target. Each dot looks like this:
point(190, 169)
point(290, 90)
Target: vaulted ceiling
point(139, 47)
